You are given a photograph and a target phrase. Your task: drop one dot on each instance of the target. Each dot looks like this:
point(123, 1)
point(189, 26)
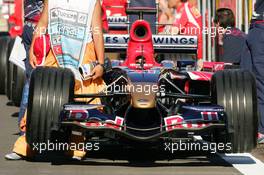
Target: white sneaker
point(13, 156)
point(76, 158)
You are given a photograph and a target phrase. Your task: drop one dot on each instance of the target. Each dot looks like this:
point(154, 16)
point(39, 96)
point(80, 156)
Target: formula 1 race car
point(145, 101)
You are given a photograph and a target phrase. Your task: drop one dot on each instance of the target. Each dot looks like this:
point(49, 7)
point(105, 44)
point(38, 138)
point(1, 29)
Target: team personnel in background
point(255, 42)
point(32, 13)
point(186, 20)
point(232, 41)
point(163, 17)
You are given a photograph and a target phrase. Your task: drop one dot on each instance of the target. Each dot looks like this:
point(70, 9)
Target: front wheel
point(235, 90)
point(17, 85)
point(50, 89)
point(10, 70)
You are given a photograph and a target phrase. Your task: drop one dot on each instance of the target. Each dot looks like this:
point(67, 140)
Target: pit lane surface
point(185, 163)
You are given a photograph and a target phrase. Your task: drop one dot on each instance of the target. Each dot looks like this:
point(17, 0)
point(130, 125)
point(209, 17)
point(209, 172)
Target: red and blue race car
point(146, 101)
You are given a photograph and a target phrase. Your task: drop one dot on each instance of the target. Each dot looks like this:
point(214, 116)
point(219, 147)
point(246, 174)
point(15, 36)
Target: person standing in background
point(163, 17)
point(232, 40)
point(186, 19)
point(255, 43)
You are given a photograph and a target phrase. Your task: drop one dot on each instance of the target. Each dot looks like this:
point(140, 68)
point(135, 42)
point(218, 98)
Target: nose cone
point(143, 95)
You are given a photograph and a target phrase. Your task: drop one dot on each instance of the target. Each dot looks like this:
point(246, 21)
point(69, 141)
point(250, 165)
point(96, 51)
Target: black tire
point(4, 40)
point(18, 85)
point(9, 81)
point(235, 90)
point(50, 89)
point(10, 70)
point(10, 46)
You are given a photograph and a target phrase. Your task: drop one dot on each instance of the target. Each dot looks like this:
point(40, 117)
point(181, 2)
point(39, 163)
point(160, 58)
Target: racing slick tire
point(10, 70)
point(50, 88)
point(9, 81)
point(4, 40)
point(235, 90)
point(17, 85)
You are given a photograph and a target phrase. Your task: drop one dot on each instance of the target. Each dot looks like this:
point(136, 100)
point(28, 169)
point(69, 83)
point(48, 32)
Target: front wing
point(195, 120)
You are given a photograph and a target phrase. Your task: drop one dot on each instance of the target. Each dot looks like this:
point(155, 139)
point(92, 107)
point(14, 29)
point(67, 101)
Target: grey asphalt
point(198, 164)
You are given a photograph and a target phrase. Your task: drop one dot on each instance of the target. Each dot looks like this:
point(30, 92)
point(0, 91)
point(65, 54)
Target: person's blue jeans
point(24, 100)
point(27, 39)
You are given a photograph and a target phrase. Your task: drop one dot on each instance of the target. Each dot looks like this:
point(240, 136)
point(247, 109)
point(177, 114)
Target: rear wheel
point(50, 89)
point(18, 85)
point(10, 70)
point(235, 90)
point(9, 78)
point(4, 40)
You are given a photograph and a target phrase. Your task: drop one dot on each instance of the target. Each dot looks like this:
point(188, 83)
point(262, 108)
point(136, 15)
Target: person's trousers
point(27, 39)
point(255, 42)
